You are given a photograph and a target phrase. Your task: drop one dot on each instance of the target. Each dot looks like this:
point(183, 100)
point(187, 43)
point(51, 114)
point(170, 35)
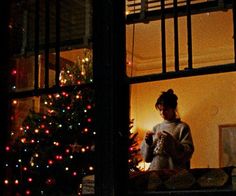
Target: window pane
point(212, 37)
point(73, 63)
point(212, 43)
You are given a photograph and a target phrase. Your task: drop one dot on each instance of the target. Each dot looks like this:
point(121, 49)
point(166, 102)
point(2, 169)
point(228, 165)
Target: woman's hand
point(148, 137)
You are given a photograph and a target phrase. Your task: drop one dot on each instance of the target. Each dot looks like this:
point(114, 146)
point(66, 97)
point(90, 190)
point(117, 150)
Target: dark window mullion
point(36, 46)
point(176, 36)
point(189, 31)
point(234, 29)
point(47, 34)
point(163, 36)
point(58, 34)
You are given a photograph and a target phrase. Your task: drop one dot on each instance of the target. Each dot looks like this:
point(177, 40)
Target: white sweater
point(179, 157)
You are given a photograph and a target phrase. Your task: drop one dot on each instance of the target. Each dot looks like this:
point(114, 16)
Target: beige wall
point(205, 102)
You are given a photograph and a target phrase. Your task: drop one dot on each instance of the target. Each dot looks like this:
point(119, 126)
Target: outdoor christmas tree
point(56, 147)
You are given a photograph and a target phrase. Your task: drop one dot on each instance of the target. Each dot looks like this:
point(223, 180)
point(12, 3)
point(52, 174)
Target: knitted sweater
point(181, 153)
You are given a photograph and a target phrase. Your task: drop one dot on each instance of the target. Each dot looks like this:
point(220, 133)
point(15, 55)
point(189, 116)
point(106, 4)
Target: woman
point(169, 145)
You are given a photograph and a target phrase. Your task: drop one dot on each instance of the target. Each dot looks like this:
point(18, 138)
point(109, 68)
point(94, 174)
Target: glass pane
point(22, 73)
point(212, 43)
point(143, 48)
point(73, 62)
point(28, 17)
point(213, 39)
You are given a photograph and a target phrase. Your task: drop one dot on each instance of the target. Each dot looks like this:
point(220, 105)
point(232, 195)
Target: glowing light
point(89, 107)
point(50, 111)
point(59, 157)
point(13, 72)
point(56, 143)
point(14, 102)
point(50, 162)
point(6, 182)
point(49, 181)
point(7, 148)
point(64, 94)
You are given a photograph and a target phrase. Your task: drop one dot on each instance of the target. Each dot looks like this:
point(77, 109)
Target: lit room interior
point(205, 102)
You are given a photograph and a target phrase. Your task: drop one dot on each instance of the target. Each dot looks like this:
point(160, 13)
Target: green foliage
point(133, 155)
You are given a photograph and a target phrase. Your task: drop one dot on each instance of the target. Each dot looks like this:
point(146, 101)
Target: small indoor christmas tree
point(133, 153)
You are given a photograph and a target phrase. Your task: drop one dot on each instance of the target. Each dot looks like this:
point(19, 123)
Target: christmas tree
point(133, 153)
point(56, 147)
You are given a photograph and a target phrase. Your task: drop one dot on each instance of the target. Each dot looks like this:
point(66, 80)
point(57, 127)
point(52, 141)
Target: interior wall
point(205, 102)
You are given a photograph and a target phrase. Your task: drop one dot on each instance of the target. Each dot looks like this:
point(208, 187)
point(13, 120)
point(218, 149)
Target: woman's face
point(167, 113)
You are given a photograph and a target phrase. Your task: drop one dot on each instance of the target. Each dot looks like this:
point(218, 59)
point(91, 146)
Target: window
point(169, 42)
point(52, 139)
